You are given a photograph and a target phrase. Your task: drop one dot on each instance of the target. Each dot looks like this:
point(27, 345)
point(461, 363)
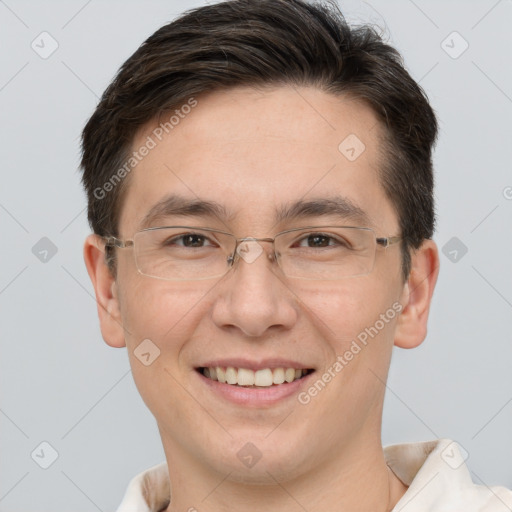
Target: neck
point(352, 480)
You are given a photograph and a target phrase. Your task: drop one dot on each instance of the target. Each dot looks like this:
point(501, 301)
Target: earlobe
point(105, 288)
point(417, 295)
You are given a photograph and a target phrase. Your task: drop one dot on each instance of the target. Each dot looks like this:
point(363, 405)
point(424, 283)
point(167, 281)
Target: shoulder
point(148, 491)
point(439, 479)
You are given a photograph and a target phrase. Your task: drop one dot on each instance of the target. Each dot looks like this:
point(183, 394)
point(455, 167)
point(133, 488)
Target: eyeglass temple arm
point(112, 241)
point(390, 240)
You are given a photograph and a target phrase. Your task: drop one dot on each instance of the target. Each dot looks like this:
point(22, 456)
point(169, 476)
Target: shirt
point(435, 471)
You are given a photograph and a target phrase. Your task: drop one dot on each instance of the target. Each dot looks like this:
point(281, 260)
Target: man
point(260, 187)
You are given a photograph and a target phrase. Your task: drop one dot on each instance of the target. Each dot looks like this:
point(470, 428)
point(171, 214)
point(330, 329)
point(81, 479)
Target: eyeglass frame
point(115, 242)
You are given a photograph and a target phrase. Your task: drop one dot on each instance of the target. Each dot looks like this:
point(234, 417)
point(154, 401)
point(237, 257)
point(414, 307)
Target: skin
point(251, 150)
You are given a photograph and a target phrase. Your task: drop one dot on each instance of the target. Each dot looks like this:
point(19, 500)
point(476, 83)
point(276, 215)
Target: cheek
point(352, 310)
point(358, 342)
point(159, 319)
point(161, 310)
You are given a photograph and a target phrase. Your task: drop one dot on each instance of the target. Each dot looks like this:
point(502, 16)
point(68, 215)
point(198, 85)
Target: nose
point(254, 297)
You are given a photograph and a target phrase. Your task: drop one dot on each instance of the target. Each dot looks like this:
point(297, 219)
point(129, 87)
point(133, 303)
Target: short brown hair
point(260, 43)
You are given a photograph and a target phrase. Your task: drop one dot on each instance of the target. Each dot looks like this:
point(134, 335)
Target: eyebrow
point(176, 205)
point(337, 206)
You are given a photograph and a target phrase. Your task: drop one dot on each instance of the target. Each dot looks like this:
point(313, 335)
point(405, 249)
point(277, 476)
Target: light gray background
point(60, 383)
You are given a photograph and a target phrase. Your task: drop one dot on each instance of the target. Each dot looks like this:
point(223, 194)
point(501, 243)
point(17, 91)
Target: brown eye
point(193, 240)
point(318, 241)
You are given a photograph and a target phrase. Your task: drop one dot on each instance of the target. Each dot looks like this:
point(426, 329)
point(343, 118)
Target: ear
point(105, 288)
point(416, 296)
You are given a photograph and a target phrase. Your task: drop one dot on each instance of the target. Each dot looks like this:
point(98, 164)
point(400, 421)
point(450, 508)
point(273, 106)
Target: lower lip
point(255, 396)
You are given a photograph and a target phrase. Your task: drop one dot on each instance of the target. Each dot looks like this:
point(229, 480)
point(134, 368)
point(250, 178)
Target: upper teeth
point(246, 377)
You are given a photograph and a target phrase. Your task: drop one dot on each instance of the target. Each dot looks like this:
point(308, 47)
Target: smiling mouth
point(244, 377)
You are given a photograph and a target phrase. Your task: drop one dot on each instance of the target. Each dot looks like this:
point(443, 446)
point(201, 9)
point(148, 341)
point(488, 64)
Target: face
point(255, 153)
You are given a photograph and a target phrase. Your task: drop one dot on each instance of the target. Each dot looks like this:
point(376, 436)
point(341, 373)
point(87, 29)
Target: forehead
point(254, 152)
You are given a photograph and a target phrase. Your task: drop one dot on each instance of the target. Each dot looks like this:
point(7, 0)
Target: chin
point(256, 460)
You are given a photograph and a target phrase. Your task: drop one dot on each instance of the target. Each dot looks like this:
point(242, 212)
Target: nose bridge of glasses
point(249, 249)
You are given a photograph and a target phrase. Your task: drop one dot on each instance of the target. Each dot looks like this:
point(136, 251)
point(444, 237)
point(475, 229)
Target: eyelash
point(182, 237)
point(302, 239)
